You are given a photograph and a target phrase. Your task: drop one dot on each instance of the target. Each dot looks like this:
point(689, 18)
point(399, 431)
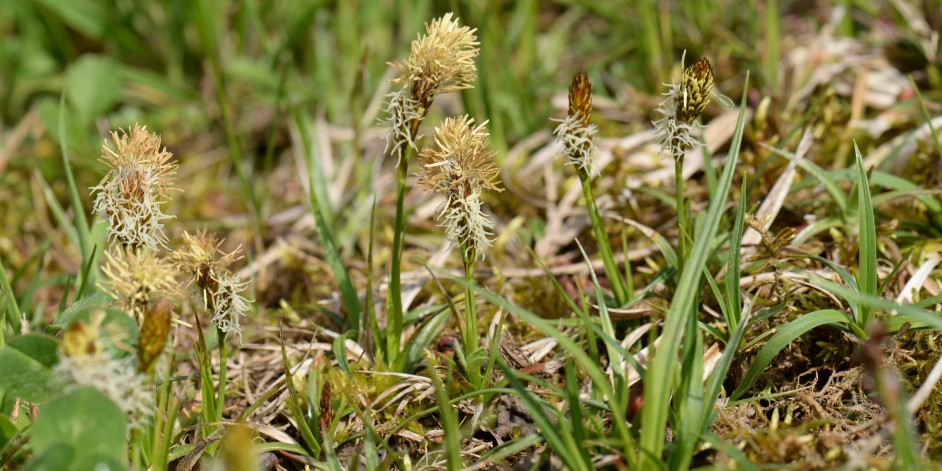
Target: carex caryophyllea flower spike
point(206, 264)
point(460, 165)
point(696, 88)
point(138, 183)
point(138, 278)
point(441, 61)
point(683, 104)
point(575, 133)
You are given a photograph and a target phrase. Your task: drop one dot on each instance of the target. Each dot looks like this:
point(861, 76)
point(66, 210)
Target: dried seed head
point(138, 182)
point(442, 61)
point(207, 265)
point(137, 278)
point(574, 133)
point(460, 165)
point(580, 97)
point(153, 335)
point(696, 88)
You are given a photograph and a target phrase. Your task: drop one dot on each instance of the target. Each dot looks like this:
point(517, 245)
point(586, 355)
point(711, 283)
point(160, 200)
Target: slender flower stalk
point(680, 108)
point(460, 165)
point(441, 61)
point(138, 183)
point(577, 138)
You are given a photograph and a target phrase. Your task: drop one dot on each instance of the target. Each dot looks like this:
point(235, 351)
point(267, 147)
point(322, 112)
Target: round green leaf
point(41, 348)
point(24, 377)
point(92, 85)
point(85, 419)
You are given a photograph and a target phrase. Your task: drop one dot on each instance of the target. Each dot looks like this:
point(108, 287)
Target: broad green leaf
point(41, 348)
point(92, 85)
point(88, 421)
point(25, 377)
point(785, 335)
point(7, 430)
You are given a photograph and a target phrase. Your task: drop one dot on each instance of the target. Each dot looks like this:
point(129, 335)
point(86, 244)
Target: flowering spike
point(683, 104)
point(138, 183)
point(460, 165)
point(696, 88)
point(575, 133)
point(153, 335)
point(202, 259)
point(138, 278)
point(82, 362)
point(441, 61)
point(580, 97)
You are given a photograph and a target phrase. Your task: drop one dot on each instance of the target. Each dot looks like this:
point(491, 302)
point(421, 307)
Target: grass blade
point(784, 336)
point(867, 255)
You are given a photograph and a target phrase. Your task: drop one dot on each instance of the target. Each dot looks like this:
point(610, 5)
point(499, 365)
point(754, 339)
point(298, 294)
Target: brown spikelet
point(154, 332)
point(580, 97)
point(696, 87)
point(326, 412)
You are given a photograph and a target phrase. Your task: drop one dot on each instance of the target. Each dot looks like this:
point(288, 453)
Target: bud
point(580, 97)
point(326, 409)
point(237, 450)
point(153, 336)
point(696, 87)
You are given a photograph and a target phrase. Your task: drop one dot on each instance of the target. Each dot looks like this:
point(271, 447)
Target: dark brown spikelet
point(326, 414)
point(580, 97)
point(695, 90)
point(154, 332)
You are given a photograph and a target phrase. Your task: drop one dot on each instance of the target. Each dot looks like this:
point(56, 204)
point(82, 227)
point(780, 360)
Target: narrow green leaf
point(867, 255)
point(785, 335)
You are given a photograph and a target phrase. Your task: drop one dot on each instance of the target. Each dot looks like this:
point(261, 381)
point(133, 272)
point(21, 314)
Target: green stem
point(605, 249)
point(681, 213)
point(394, 314)
point(223, 361)
point(470, 335)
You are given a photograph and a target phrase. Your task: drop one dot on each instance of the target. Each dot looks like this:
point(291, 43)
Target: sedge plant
point(460, 165)
point(577, 138)
point(441, 61)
